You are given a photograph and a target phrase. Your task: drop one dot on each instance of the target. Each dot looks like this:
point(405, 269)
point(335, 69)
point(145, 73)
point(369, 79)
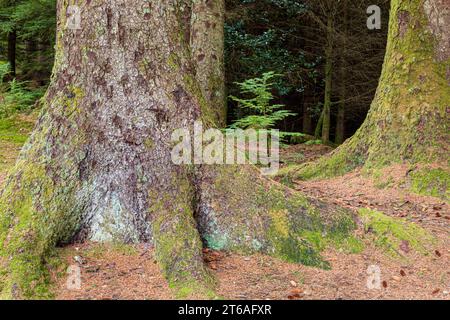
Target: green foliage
point(4, 70)
point(32, 18)
point(35, 24)
point(313, 142)
point(17, 97)
point(257, 103)
point(262, 35)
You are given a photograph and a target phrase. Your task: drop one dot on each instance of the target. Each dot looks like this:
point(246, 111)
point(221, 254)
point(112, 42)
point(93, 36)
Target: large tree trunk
point(98, 165)
point(408, 120)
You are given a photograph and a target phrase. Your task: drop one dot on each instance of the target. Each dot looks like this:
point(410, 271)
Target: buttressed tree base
point(98, 165)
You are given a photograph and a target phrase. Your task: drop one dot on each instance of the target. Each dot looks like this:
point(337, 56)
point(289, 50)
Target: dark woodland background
point(288, 37)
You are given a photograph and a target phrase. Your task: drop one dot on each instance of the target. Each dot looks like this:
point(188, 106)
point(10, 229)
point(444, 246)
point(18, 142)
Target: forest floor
point(130, 272)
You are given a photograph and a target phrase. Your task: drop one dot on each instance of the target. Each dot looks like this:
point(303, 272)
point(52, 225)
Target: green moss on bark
point(30, 228)
point(178, 247)
point(251, 214)
point(38, 208)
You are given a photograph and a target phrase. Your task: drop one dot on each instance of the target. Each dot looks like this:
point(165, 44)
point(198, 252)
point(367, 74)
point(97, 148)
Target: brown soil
point(115, 275)
point(355, 190)
point(109, 273)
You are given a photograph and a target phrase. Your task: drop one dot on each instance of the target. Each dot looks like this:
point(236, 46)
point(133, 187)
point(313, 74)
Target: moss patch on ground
point(390, 233)
point(431, 182)
point(329, 166)
point(15, 130)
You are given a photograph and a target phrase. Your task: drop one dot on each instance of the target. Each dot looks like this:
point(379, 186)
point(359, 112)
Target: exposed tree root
point(242, 211)
point(235, 209)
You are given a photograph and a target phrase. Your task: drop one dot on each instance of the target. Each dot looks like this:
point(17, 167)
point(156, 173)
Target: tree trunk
point(408, 119)
point(12, 43)
point(340, 121)
point(207, 45)
point(306, 122)
point(326, 122)
point(98, 165)
point(319, 126)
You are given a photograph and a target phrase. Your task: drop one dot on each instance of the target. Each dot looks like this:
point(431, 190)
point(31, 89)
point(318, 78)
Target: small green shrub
point(262, 115)
point(17, 97)
point(4, 70)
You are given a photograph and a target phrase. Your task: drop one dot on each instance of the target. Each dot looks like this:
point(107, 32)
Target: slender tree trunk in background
point(340, 121)
point(12, 44)
point(326, 121)
point(306, 123)
point(408, 119)
point(43, 73)
point(98, 165)
point(31, 49)
point(319, 125)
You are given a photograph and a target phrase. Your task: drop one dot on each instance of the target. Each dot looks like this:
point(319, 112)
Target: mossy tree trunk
point(207, 47)
point(98, 165)
point(408, 119)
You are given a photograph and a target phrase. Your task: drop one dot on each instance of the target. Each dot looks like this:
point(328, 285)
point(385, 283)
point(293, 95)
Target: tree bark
point(307, 121)
point(408, 119)
point(340, 119)
point(207, 45)
point(12, 43)
point(98, 165)
point(326, 121)
point(319, 126)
